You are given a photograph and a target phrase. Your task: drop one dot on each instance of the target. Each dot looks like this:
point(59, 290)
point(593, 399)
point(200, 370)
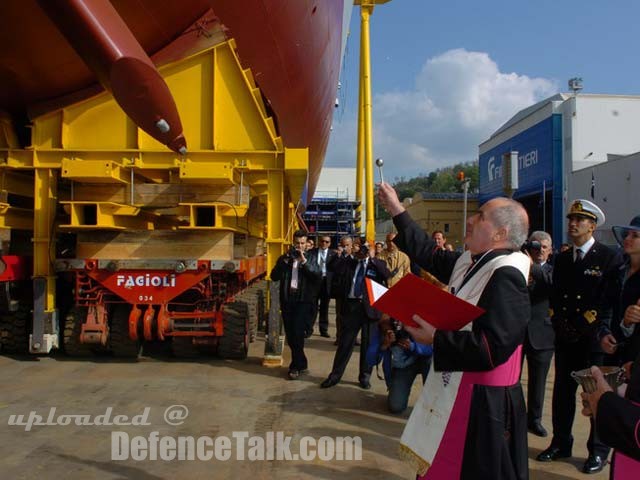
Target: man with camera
point(581, 301)
point(403, 360)
point(539, 341)
point(357, 313)
point(299, 275)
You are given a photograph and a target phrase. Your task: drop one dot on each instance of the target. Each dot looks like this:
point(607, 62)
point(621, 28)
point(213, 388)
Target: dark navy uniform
point(581, 301)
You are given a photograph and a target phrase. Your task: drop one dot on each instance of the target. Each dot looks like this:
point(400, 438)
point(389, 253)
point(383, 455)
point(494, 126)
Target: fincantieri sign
point(525, 161)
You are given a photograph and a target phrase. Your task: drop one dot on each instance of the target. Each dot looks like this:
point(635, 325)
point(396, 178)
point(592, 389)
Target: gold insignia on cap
point(578, 209)
point(590, 316)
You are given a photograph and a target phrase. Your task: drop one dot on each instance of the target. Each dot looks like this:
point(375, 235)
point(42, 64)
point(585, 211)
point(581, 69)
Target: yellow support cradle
point(100, 164)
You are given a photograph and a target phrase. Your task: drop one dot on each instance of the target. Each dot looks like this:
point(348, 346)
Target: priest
point(470, 420)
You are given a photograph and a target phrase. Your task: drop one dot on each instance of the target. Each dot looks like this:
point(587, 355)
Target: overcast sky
point(445, 76)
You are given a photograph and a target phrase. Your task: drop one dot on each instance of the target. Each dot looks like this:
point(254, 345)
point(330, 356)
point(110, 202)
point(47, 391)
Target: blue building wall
point(535, 162)
point(539, 164)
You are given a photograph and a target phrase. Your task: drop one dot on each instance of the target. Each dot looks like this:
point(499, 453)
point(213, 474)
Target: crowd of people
point(578, 306)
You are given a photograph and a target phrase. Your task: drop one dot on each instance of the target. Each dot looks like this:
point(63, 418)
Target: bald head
point(500, 223)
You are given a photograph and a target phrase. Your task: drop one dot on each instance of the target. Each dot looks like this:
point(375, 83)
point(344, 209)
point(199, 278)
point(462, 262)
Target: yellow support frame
point(17, 218)
point(232, 142)
point(108, 216)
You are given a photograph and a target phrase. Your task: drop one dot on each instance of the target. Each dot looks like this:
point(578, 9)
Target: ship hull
point(292, 47)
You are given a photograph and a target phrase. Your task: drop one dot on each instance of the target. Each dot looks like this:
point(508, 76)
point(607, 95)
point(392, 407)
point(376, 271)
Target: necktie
point(579, 255)
point(358, 284)
point(323, 262)
point(294, 275)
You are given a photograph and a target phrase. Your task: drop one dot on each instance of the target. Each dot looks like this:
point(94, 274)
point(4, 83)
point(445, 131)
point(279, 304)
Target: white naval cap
point(587, 209)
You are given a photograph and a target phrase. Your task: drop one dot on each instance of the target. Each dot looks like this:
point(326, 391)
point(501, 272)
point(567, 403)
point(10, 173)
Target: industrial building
point(569, 146)
point(442, 211)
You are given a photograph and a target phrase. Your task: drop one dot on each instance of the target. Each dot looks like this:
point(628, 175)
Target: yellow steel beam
point(370, 2)
point(13, 217)
point(16, 183)
point(112, 216)
point(95, 171)
point(217, 216)
point(360, 147)
point(278, 217)
point(365, 12)
point(296, 168)
point(365, 140)
point(205, 172)
point(44, 208)
point(140, 160)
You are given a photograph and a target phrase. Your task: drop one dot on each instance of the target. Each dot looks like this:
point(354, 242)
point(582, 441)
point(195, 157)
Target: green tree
point(442, 180)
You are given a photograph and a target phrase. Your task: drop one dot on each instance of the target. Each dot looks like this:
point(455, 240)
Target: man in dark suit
point(357, 312)
point(324, 254)
point(299, 275)
point(538, 345)
point(581, 301)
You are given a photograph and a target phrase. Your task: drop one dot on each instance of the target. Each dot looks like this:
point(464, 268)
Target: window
point(446, 228)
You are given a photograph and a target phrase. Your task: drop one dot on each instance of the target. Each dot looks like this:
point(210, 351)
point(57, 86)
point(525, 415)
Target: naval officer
point(581, 301)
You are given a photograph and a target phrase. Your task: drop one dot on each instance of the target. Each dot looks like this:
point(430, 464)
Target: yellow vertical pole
point(44, 334)
point(278, 218)
point(360, 151)
point(365, 15)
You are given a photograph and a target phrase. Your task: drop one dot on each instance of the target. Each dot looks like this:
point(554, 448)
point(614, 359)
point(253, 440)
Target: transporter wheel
point(263, 312)
point(121, 344)
point(250, 309)
point(14, 331)
point(235, 341)
point(73, 321)
point(262, 317)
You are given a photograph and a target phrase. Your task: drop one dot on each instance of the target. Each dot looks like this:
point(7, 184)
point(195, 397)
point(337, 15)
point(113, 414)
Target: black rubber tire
point(250, 299)
point(121, 344)
point(73, 321)
point(263, 312)
point(262, 315)
point(234, 343)
point(14, 331)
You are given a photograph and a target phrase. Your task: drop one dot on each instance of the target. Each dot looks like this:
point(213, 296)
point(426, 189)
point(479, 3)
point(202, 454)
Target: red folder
point(413, 296)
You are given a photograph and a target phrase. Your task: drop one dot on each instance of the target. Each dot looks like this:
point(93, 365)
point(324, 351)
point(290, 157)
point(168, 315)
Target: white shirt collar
point(585, 248)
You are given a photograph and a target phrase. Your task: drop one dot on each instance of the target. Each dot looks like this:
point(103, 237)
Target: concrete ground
point(221, 397)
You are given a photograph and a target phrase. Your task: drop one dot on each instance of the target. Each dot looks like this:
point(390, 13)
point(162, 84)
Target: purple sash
point(447, 463)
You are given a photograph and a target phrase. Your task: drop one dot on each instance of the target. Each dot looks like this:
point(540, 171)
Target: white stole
point(425, 428)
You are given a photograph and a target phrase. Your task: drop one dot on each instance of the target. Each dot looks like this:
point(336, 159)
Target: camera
point(532, 245)
point(399, 330)
point(364, 251)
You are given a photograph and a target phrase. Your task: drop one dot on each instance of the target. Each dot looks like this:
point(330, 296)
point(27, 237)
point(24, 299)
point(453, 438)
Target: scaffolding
point(331, 213)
